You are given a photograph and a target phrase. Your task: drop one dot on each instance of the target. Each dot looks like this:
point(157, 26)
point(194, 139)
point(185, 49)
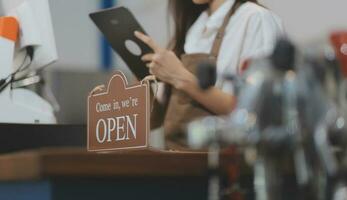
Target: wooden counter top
point(77, 162)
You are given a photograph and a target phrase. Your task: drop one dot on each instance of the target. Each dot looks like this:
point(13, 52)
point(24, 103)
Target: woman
point(225, 32)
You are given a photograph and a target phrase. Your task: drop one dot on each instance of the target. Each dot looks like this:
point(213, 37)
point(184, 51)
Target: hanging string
point(148, 79)
point(98, 88)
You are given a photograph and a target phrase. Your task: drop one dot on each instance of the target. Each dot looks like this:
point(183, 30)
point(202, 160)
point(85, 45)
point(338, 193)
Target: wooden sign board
point(118, 116)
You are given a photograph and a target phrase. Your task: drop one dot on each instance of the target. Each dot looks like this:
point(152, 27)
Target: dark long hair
point(185, 13)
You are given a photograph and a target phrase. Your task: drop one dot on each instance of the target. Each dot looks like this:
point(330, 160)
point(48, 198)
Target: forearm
point(166, 66)
point(214, 99)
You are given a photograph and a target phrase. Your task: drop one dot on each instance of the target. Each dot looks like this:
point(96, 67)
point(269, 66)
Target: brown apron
point(182, 109)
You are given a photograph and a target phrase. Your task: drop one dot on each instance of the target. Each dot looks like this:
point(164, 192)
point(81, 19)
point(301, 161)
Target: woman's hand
point(164, 64)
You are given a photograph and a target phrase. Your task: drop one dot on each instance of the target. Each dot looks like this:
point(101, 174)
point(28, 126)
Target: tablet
point(118, 26)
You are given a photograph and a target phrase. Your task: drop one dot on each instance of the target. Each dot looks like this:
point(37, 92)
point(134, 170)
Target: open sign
point(118, 116)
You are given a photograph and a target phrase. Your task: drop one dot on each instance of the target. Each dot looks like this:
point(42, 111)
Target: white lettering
point(132, 126)
point(120, 126)
point(103, 107)
point(98, 129)
point(125, 104)
point(111, 123)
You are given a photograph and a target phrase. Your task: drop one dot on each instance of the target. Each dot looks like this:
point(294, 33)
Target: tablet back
point(118, 26)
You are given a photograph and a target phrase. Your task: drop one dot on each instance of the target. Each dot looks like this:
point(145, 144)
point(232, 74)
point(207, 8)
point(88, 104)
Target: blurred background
point(85, 60)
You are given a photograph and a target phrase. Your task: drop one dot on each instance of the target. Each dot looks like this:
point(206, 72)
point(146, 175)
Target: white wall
point(307, 20)
point(78, 39)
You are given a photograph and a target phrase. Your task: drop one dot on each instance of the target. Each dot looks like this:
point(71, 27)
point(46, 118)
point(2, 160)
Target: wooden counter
point(76, 162)
point(74, 173)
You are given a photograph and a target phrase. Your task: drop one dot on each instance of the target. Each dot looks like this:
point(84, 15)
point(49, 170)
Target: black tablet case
point(118, 25)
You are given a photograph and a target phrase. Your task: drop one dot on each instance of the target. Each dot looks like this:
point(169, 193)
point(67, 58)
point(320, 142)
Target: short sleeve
point(264, 28)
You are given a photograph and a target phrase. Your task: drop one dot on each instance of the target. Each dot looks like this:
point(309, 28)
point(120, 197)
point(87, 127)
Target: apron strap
point(221, 32)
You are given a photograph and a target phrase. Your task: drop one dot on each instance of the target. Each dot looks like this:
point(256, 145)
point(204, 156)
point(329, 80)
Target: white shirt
point(252, 32)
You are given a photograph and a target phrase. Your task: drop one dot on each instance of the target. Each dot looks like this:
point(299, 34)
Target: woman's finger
point(148, 40)
point(153, 65)
point(150, 65)
point(151, 71)
point(147, 57)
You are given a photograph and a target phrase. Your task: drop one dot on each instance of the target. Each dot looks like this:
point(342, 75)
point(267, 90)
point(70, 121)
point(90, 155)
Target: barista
point(223, 32)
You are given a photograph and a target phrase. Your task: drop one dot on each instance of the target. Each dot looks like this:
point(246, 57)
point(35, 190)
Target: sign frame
point(106, 91)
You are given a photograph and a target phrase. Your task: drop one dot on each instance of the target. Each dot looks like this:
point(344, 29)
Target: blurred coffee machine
point(291, 115)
